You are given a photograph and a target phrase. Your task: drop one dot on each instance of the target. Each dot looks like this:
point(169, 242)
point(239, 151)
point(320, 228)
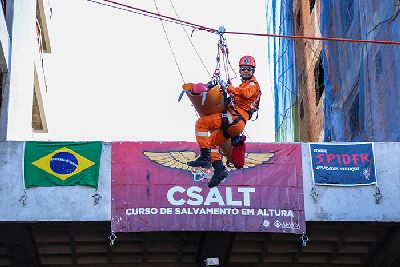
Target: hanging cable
point(170, 46)
point(220, 50)
point(190, 40)
point(227, 64)
point(150, 14)
point(173, 54)
point(134, 11)
point(248, 136)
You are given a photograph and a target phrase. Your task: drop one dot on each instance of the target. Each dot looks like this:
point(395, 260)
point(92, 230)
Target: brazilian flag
point(61, 163)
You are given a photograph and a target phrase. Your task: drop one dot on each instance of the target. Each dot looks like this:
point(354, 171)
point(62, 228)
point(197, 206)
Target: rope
point(204, 28)
point(335, 39)
point(170, 46)
point(190, 40)
point(222, 48)
point(172, 51)
point(248, 136)
point(152, 14)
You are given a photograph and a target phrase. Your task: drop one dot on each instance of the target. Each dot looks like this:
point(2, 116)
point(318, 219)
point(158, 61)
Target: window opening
point(301, 110)
point(39, 123)
point(319, 80)
point(354, 118)
point(312, 4)
point(36, 120)
point(298, 19)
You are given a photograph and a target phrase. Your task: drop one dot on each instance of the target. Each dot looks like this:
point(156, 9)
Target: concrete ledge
point(357, 203)
point(69, 203)
point(75, 203)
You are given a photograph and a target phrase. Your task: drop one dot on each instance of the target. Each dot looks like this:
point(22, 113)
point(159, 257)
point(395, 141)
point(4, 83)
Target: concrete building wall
point(4, 42)
point(307, 56)
point(75, 203)
point(21, 71)
point(4, 68)
point(24, 71)
point(69, 203)
point(357, 203)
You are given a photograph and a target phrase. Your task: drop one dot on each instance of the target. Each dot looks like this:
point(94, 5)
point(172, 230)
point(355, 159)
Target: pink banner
point(153, 189)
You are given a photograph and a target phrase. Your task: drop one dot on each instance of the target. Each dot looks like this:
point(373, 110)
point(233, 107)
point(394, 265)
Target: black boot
point(204, 160)
point(220, 173)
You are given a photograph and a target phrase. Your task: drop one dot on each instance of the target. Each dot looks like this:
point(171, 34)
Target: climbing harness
point(228, 121)
point(254, 107)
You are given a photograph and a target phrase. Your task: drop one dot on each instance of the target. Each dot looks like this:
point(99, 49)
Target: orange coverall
point(244, 96)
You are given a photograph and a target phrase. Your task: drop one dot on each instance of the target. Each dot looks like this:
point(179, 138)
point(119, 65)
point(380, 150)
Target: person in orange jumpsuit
point(244, 101)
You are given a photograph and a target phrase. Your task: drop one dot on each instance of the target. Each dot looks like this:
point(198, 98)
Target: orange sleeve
point(246, 90)
point(231, 89)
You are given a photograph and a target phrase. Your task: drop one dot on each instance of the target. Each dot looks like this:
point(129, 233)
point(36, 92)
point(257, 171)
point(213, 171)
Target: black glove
point(223, 84)
point(211, 84)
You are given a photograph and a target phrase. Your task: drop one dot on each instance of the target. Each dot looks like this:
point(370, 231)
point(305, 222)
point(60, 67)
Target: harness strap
point(254, 106)
point(203, 98)
point(226, 118)
point(224, 124)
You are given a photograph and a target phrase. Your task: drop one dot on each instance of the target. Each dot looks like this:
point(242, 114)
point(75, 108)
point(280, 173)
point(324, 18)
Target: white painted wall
point(75, 203)
point(4, 42)
point(21, 71)
point(357, 203)
point(16, 117)
point(4, 67)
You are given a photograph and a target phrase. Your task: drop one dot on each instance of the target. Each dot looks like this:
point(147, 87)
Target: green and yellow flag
point(61, 163)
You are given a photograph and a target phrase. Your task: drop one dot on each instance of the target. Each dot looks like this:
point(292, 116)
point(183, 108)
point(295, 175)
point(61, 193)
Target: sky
point(111, 75)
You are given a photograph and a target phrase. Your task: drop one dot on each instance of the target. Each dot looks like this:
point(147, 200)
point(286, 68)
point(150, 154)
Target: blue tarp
point(281, 55)
point(362, 81)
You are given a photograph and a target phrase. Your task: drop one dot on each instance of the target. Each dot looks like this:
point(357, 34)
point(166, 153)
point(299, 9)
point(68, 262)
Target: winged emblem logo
point(179, 160)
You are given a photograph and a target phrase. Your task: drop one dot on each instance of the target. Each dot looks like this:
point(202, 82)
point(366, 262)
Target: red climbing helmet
point(247, 61)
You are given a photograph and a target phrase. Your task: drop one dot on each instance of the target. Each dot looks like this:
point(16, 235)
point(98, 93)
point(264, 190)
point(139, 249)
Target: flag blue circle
point(63, 163)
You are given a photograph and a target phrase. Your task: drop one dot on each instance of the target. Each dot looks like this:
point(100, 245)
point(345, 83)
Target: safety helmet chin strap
point(246, 79)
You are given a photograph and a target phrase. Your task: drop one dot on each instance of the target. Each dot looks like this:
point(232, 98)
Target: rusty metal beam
point(20, 245)
point(179, 255)
point(336, 246)
point(216, 245)
point(267, 240)
point(229, 249)
point(387, 252)
point(200, 245)
point(71, 243)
